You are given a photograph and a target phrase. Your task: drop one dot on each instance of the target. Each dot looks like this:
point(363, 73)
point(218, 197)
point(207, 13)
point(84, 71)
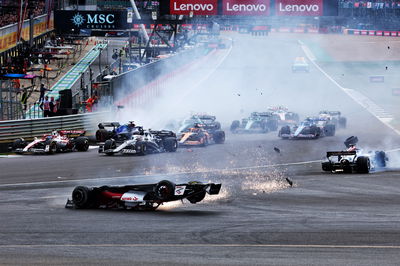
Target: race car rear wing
point(214, 189)
point(340, 153)
point(108, 124)
point(72, 132)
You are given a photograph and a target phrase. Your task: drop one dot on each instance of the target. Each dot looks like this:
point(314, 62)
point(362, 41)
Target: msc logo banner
point(76, 20)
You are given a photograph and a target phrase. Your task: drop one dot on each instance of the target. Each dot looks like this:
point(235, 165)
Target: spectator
point(24, 98)
point(45, 106)
point(53, 107)
point(42, 92)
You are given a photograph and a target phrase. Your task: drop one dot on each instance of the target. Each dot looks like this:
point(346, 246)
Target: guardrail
point(28, 129)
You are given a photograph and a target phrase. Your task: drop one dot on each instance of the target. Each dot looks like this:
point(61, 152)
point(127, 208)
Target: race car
point(57, 141)
point(311, 128)
point(285, 116)
point(354, 159)
point(300, 64)
point(139, 197)
point(132, 139)
point(258, 122)
point(208, 122)
point(199, 136)
point(335, 117)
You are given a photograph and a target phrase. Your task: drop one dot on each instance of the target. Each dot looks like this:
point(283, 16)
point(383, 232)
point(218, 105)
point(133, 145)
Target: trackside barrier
point(28, 129)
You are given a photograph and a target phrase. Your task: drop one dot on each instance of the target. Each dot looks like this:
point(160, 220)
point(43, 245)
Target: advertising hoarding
point(67, 20)
point(245, 7)
point(299, 8)
point(193, 7)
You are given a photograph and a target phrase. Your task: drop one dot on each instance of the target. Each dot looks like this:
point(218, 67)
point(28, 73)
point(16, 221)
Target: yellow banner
point(10, 40)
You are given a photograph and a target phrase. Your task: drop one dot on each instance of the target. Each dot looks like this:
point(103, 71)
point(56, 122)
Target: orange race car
point(198, 136)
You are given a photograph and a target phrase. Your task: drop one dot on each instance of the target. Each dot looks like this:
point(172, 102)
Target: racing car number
point(179, 190)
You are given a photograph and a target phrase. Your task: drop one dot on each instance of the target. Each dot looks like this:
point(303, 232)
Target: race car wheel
point(235, 125)
point(219, 136)
point(350, 141)
point(164, 190)
point(326, 166)
point(330, 130)
point(170, 144)
point(102, 135)
point(342, 122)
point(272, 125)
point(109, 145)
point(380, 159)
point(82, 144)
point(199, 196)
point(52, 147)
point(19, 144)
point(141, 148)
point(363, 165)
point(205, 141)
point(81, 196)
point(285, 130)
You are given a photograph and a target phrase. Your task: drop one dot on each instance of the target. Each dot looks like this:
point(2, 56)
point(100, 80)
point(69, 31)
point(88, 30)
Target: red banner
point(193, 7)
point(299, 7)
point(245, 7)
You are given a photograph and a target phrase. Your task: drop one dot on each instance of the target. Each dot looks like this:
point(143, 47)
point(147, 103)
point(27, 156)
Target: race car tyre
point(199, 196)
point(363, 165)
point(52, 147)
point(109, 145)
point(141, 148)
point(81, 196)
point(314, 130)
point(380, 159)
point(350, 141)
point(264, 126)
point(102, 135)
point(82, 143)
point(285, 130)
point(235, 125)
point(19, 144)
point(330, 130)
point(326, 166)
point(205, 142)
point(219, 137)
point(272, 125)
point(342, 122)
point(164, 190)
point(170, 144)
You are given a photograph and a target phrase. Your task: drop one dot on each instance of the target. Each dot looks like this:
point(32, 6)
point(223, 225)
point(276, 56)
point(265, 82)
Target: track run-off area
point(258, 218)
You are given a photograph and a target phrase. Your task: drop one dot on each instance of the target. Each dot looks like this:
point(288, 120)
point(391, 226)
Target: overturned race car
point(139, 197)
point(57, 141)
point(354, 160)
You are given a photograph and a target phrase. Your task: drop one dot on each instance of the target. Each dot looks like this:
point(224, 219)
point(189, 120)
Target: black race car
point(139, 197)
point(354, 159)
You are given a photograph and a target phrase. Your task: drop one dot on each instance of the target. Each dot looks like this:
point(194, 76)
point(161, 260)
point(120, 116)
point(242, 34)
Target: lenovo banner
point(299, 8)
point(245, 7)
point(193, 7)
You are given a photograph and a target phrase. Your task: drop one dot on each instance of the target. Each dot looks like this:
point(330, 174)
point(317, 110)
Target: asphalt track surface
point(258, 219)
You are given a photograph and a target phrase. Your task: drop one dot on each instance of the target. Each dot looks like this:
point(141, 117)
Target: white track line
point(357, 96)
point(311, 246)
point(157, 175)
